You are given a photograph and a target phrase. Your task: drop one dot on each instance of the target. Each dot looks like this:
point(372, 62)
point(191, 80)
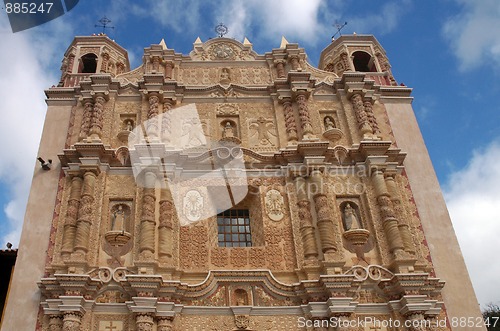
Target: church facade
point(229, 190)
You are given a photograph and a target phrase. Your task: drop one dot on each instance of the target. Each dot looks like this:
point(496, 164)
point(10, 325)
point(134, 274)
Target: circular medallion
point(223, 51)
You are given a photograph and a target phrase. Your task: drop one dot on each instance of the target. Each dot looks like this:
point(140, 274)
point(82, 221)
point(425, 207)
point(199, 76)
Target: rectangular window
point(234, 228)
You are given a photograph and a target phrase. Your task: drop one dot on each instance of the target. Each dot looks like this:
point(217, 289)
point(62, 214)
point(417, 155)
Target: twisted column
point(165, 324)
point(324, 222)
point(72, 321)
point(372, 121)
point(84, 222)
point(88, 106)
point(169, 66)
point(404, 229)
point(291, 126)
point(166, 125)
point(152, 123)
point(55, 323)
point(305, 120)
point(147, 227)
point(96, 120)
point(71, 216)
point(306, 224)
point(390, 223)
point(165, 228)
point(361, 116)
point(144, 322)
point(280, 68)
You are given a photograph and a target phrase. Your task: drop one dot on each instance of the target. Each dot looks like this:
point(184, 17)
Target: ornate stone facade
point(332, 230)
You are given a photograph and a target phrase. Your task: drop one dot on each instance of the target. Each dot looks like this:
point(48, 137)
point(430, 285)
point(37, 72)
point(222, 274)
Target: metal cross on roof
point(221, 30)
point(339, 27)
point(104, 24)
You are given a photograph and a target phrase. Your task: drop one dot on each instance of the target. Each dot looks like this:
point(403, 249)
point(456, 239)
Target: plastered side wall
point(460, 299)
point(24, 298)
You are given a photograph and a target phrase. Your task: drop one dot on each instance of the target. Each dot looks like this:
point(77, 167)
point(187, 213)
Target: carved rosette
point(72, 321)
point(71, 216)
point(147, 228)
point(291, 126)
point(85, 212)
point(144, 322)
point(305, 119)
point(88, 106)
point(97, 115)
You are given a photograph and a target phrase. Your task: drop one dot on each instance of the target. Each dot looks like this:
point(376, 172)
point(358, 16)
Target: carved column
point(404, 229)
point(72, 321)
point(372, 121)
point(147, 228)
point(165, 229)
point(144, 322)
point(169, 66)
point(345, 61)
point(165, 324)
point(166, 126)
point(305, 120)
point(85, 213)
point(97, 114)
point(88, 106)
point(105, 60)
point(361, 117)
point(156, 63)
point(306, 223)
point(55, 322)
point(152, 123)
point(71, 216)
point(324, 222)
point(294, 61)
point(291, 126)
point(280, 68)
point(120, 68)
point(390, 223)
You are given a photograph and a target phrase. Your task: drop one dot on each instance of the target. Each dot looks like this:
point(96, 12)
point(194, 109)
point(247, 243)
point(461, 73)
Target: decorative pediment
point(223, 49)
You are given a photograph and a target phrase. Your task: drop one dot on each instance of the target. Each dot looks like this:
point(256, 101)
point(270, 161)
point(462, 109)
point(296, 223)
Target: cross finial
point(339, 27)
point(221, 30)
point(104, 24)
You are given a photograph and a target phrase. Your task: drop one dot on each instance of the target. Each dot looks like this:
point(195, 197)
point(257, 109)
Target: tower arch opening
point(88, 64)
point(363, 62)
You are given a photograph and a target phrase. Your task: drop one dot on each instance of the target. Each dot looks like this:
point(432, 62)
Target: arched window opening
point(88, 64)
point(363, 62)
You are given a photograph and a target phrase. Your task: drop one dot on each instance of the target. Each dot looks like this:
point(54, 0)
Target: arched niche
point(363, 62)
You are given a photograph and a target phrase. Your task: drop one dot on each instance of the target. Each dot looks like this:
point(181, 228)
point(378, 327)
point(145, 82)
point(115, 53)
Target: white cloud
point(24, 62)
point(473, 197)
point(473, 33)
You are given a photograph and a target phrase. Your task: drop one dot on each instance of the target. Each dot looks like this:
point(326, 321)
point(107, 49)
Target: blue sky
point(448, 51)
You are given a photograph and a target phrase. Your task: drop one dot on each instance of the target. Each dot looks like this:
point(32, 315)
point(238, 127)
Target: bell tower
point(96, 54)
point(358, 53)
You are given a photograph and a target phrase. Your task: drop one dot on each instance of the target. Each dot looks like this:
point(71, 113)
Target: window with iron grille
point(234, 228)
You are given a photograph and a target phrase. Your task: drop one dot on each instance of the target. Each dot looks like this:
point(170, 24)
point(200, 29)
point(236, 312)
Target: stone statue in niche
point(351, 221)
point(228, 131)
point(119, 217)
point(129, 125)
point(241, 297)
point(329, 124)
point(225, 76)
